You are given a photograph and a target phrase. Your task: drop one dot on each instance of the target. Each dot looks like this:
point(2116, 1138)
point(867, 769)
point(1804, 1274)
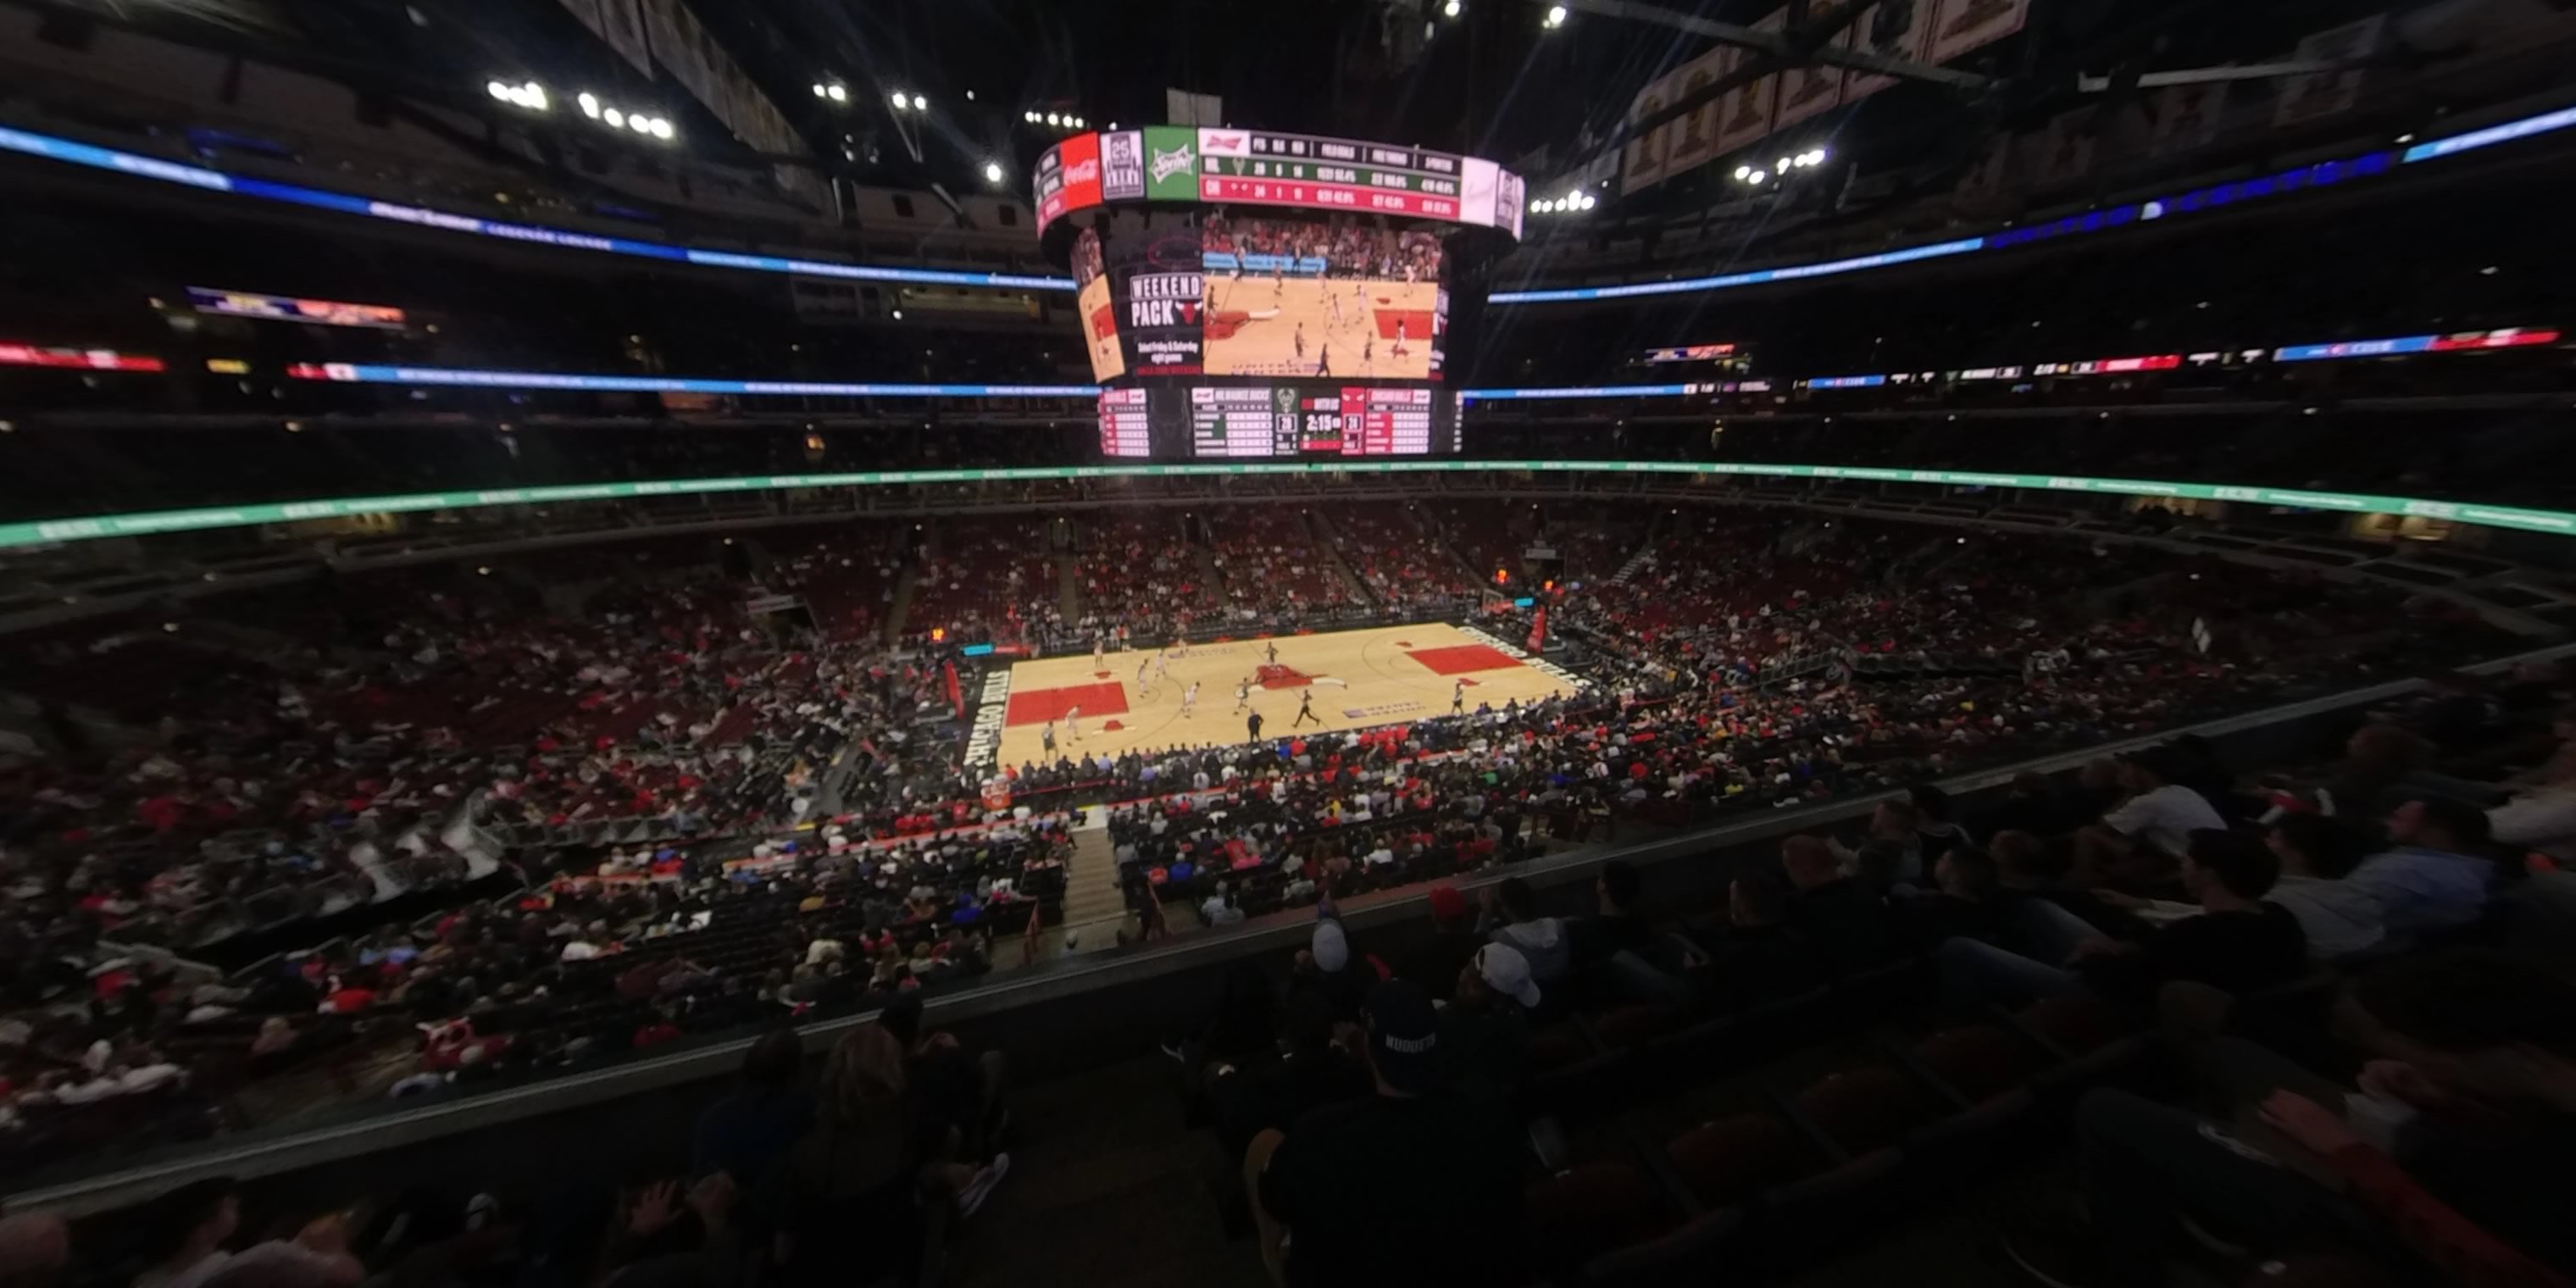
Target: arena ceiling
point(1494, 79)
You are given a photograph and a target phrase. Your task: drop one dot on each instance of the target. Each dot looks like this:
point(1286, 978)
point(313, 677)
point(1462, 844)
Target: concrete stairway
point(1094, 910)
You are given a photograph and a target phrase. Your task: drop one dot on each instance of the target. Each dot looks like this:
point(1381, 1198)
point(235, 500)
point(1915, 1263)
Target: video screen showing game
point(1343, 297)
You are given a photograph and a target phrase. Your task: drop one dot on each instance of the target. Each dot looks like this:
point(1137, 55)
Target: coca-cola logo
point(1087, 172)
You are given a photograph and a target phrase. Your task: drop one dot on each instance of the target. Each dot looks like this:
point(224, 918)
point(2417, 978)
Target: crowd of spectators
point(990, 579)
point(1400, 563)
point(1271, 566)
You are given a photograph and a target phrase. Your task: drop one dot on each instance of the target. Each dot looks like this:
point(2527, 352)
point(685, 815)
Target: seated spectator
point(190, 1226)
point(850, 1189)
point(1617, 927)
point(2541, 814)
point(1330, 969)
point(1758, 958)
point(1310, 1069)
point(2446, 1165)
point(2236, 943)
point(1511, 918)
point(1453, 941)
point(1966, 900)
point(2432, 878)
point(2138, 841)
point(2027, 870)
point(747, 1133)
point(1846, 922)
point(1484, 1030)
point(1898, 856)
point(2339, 918)
point(1405, 1187)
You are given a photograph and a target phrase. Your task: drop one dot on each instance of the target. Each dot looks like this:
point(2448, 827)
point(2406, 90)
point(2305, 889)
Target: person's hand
point(713, 1197)
point(2099, 946)
point(653, 1208)
point(327, 1233)
point(2400, 1081)
point(2321, 1131)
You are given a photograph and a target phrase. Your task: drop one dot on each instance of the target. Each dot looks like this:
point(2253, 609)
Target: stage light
point(1053, 119)
point(2489, 271)
point(1758, 178)
point(589, 104)
point(1555, 17)
point(1743, 172)
point(992, 172)
point(938, 634)
point(663, 130)
point(920, 104)
point(1450, 10)
point(970, 96)
point(1077, 122)
point(901, 100)
point(497, 90)
point(613, 117)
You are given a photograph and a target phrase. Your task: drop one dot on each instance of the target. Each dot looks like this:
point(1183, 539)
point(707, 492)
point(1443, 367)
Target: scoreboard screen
point(1175, 163)
point(1301, 420)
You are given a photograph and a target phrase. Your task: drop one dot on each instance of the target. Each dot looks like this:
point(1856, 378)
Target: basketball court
point(1253, 323)
point(1359, 679)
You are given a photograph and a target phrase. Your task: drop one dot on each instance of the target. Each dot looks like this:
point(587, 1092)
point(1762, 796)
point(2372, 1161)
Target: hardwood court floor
point(1360, 679)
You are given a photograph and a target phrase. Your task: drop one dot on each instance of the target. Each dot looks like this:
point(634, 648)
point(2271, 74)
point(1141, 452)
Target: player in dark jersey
point(1305, 709)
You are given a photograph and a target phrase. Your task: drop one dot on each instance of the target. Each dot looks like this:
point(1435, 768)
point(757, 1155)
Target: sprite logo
point(1176, 161)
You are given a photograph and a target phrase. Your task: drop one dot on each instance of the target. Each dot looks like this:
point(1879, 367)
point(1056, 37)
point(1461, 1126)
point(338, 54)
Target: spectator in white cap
point(1330, 968)
point(1484, 1029)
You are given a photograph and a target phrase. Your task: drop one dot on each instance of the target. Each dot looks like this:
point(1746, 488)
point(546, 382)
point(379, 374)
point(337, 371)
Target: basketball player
point(1336, 302)
point(1141, 665)
point(1073, 723)
point(1242, 695)
point(1398, 350)
point(1368, 346)
point(1458, 698)
point(1162, 666)
point(1324, 359)
point(1301, 342)
point(1189, 699)
point(1252, 727)
point(1098, 651)
point(1279, 280)
point(1305, 709)
point(1274, 652)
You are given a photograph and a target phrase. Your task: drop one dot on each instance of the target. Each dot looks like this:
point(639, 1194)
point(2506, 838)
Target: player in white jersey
point(1073, 724)
point(1458, 698)
point(1336, 302)
point(1099, 651)
point(1242, 695)
point(1398, 350)
point(1142, 665)
point(1162, 666)
point(1189, 699)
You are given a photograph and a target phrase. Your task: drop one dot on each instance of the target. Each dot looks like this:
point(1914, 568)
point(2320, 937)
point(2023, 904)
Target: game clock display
point(1302, 420)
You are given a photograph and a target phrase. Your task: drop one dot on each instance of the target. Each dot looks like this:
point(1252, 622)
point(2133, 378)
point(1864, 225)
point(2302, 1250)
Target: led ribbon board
point(147, 523)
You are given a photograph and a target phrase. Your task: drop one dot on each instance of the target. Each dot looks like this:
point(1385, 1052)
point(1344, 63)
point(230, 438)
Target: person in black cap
point(1405, 1187)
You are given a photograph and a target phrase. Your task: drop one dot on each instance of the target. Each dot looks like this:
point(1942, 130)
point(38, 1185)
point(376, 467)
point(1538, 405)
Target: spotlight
point(837, 93)
point(613, 117)
point(1053, 119)
point(920, 104)
point(1450, 10)
point(497, 90)
point(1077, 122)
point(819, 91)
point(1555, 17)
point(1758, 178)
point(1743, 172)
point(662, 129)
point(589, 104)
point(901, 100)
point(992, 172)
point(1030, 117)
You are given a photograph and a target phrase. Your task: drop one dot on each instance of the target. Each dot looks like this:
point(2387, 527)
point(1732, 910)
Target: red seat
point(1866, 1110)
point(1585, 1211)
point(1729, 1161)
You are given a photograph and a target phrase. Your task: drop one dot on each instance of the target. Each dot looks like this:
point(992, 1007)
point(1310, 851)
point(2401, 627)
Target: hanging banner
point(1890, 29)
point(956, 693)
point(2186, 117)
point(2065, 147)
point(1747, 113)
point(1643, 166)
point(2322, 94)
point(1811, 89)
point(1690, 141)
point(1538, 630)
point(1966, 25)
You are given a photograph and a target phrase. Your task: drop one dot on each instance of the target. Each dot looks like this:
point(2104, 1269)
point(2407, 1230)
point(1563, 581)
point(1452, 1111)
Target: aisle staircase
point(1094, 910)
